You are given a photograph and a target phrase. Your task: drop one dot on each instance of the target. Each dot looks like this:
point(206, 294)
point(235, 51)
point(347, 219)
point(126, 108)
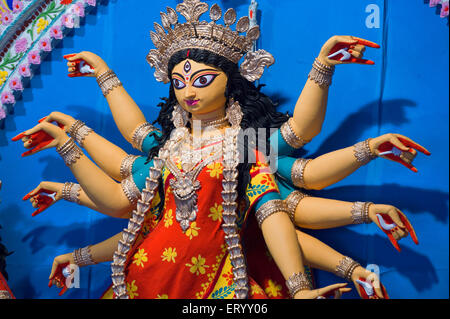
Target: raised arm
point(309, 112)
point(125, 111)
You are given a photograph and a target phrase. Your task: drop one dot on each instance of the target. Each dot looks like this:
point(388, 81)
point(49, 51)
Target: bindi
point(187, 68)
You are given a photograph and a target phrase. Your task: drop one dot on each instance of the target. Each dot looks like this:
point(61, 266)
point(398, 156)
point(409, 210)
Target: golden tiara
point(216, 38)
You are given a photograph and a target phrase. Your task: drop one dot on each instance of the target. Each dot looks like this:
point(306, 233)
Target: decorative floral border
point(444, 6)
point(33, 27)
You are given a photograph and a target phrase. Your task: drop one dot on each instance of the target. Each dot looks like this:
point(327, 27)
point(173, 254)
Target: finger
point(393, 213)
point(330, 289)
point(43, 119)
point(355, 53)
point(397, 159)
point(411, 143)
point(347, 39)
point(18, 137)
point(367, 43)
point(376, 284)
point(360, 61)
point(400, 233)
point(358, 47)
point(393, 241)
point(38, 148)
point(63, 290)
point(53, 271)
point(72, 57)
point(40, 210)
point(409, 227)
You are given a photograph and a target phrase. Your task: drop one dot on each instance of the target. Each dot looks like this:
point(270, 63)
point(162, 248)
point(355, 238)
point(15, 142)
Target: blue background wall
point(405, 92)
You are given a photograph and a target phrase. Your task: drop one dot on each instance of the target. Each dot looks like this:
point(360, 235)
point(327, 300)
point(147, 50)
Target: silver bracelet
point(298, 172)
point(108, 81)
point(130, 189)
point(363, 153)
point(290, 137)
point(346, 267)
point(360, 213)
point(70, 152)
point(127, 165)
point(321, 74)
point(71, 192)
point(270, 208)
point(140, 133)
point(82, 257)
point(292, 202)
point(298, 282)
point(78, 131)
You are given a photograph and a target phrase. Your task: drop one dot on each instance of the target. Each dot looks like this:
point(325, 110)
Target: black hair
point(259, 110)
point(3, 254)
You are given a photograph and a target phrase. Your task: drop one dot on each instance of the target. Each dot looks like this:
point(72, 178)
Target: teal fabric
point(285, 166)
point(150, 142)
point(141, 174)
point(284, 148)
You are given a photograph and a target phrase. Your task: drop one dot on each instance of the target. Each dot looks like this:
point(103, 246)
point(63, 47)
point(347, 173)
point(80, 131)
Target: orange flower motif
point(268, 180)
point(229, 277)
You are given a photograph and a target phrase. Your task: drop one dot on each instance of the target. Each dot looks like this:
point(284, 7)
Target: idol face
point(199, 88)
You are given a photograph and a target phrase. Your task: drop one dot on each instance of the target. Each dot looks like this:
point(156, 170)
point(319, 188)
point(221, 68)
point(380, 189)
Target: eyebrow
point(195, 73)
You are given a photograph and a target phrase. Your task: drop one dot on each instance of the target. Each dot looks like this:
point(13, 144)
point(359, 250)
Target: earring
point(179, 116)
point(234, 113)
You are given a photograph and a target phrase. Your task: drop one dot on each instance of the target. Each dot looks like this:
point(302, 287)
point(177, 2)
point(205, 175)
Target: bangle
point(82, 257)
point(127, 165)
point(292, 202)
point(321, 74)
point(289, 135)
point(363, 153)
point(271, 207)
point(70, 152)
point(298, 172)
point(140, 133)
point(298, 282)
point(108, 81)
point(71, 192)
point(130, 189)
point(346, 267)
point(360, 213)
point(78, 131)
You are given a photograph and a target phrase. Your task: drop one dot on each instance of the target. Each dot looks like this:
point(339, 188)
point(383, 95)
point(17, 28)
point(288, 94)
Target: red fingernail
point(18, 137)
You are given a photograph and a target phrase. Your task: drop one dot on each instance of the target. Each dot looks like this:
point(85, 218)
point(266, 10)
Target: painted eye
point(178, 84)
point(204, 80)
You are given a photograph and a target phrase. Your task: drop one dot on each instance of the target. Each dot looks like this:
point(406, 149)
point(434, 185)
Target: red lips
point(191, 102)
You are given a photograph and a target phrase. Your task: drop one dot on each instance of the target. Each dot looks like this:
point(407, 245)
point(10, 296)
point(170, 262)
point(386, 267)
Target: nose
point(189, 92)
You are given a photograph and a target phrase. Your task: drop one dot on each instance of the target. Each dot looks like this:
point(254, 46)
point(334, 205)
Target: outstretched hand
point(368, 284)
point(44, 196)
point(393, 223)
point(335, 291)
point(43, 136)
point(345, 49)
point(59, 271)
point(85, 64)
point(397, 148)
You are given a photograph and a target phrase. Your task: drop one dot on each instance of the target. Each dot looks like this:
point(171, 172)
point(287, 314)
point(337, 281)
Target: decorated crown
point(195, 34)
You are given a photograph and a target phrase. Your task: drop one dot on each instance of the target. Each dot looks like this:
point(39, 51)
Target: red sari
point(166, 262)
